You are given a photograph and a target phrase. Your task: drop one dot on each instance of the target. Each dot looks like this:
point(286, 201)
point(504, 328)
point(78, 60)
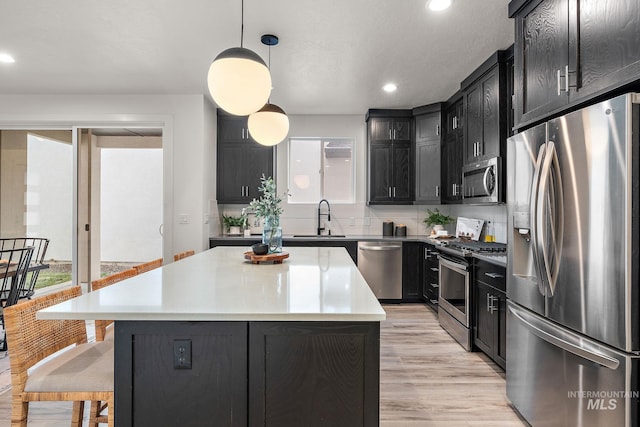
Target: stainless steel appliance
point(573, 318)
point(455, 298)
point(481, 182)
point(381, 266)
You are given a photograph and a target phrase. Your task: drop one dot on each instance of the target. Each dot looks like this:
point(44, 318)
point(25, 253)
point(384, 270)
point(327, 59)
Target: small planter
point(235, 230)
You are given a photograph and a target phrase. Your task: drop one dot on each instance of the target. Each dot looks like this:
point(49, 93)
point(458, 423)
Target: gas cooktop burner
point(478, 247)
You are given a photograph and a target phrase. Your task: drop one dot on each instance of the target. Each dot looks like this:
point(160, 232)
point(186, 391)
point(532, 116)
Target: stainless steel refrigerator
point(573, 318)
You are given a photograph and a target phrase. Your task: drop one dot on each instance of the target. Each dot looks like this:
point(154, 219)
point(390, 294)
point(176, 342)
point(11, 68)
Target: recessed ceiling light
point(8, 59)
point(438, 5)
point(389, 87)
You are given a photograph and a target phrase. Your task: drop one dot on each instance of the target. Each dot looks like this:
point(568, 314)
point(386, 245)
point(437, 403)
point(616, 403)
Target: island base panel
point(314, 374)
point(248, 373)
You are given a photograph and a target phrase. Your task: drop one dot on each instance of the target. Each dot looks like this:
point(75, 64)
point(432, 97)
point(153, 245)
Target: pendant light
point(239, 80)
point(269, 125)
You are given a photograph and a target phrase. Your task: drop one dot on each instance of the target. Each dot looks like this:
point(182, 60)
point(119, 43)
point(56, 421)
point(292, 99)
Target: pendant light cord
point(242, 25)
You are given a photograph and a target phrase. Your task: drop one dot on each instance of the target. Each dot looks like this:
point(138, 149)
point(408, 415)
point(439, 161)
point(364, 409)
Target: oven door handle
point(453, 265)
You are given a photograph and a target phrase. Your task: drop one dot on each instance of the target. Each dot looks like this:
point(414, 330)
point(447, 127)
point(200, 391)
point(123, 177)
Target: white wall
point(358, 218)
point(186, 119)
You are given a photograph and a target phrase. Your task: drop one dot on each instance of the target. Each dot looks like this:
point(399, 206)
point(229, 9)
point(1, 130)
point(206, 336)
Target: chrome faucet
point(328, 214)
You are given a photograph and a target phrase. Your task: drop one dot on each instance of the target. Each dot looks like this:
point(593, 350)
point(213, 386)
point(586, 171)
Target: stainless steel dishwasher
point(381, 265)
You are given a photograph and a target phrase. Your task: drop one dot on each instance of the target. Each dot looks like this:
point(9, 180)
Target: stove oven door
point(454, 289)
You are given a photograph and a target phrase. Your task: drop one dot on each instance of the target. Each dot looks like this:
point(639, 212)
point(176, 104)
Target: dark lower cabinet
point(412, 271)
point(431, 277)
point(489, 330)
point(247, 374)
point(149, 391)
point(324, 368)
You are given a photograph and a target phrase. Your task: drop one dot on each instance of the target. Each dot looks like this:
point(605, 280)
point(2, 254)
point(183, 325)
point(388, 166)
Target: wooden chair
point(141, 268)
point(82, 372)
point(181, 255)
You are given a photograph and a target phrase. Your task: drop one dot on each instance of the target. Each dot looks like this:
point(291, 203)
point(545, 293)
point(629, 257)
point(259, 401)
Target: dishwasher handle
point(380, 248)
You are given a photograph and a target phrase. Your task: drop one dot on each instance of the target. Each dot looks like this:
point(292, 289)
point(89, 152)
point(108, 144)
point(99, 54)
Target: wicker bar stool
point(105, 333)
point(141, 268)
point(181, 255)
point(82, 372)
point(100, 324)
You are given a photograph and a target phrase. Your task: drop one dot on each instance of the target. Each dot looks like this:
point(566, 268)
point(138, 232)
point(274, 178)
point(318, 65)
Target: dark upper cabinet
point(428, 134)
point(452, 151)
point(390, 157)
point(241, 161)
point(486, 109)
point(569, 51)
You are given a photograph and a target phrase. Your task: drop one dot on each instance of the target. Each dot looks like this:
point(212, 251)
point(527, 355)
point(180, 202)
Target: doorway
point(97, 194)
point(120, 199)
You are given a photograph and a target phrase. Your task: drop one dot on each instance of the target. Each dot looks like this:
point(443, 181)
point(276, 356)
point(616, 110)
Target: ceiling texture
point(334, 56)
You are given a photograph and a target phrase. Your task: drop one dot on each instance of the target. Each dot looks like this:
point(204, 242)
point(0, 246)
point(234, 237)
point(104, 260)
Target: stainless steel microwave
point(481, 182)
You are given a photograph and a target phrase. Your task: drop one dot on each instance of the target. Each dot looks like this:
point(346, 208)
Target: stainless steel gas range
point(455, 299)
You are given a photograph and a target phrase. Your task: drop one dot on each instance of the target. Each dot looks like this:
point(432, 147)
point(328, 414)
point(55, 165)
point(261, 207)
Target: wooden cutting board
point(257, 259)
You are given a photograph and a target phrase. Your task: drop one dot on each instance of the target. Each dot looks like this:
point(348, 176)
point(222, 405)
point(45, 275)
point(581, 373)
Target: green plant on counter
point(268, 205)
point(234, 221)
point(435, 217)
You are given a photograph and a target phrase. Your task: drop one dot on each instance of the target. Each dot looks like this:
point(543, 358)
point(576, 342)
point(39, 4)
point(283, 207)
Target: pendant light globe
point(239, 81)
point(269, 125)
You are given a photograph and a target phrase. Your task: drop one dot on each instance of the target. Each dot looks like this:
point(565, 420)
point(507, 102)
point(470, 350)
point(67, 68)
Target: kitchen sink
point(324, 236)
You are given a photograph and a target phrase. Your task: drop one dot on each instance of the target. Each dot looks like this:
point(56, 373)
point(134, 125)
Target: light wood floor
point(426, 379)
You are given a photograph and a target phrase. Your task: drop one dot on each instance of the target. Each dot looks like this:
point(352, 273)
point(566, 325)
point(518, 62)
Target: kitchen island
point(215, 340)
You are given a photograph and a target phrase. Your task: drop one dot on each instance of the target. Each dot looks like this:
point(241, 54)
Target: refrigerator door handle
point(533, 212)
point(599, 358)
point(550, 213)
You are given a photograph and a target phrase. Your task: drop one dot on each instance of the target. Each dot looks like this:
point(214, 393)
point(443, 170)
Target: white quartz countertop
point(313, 284)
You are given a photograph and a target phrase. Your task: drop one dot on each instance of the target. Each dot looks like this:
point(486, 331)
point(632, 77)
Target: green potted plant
point(268, 208)
point(234, 224)
point(437, 220)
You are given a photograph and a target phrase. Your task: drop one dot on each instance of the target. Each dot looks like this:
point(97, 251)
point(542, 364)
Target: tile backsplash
point(360, 219)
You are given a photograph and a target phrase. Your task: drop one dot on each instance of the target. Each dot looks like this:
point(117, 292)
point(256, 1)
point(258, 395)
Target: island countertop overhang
point(313, 284)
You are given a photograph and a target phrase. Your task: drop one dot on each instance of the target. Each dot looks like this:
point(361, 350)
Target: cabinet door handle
point(389, 192)
point(437, 129)
point(394, 192)
point(242, 133)
point(434, 285)
point(494, 275)
point(437, 191)
point(390, 134)
point(435, 269)
point(394, 134)
point(454, 125)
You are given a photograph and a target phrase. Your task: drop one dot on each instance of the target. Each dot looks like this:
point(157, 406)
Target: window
point(321, 168)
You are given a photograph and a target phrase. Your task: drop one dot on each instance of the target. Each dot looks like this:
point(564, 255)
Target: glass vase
point(272, 235)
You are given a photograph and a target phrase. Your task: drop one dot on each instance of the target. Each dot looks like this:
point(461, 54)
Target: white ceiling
point(333, 57)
